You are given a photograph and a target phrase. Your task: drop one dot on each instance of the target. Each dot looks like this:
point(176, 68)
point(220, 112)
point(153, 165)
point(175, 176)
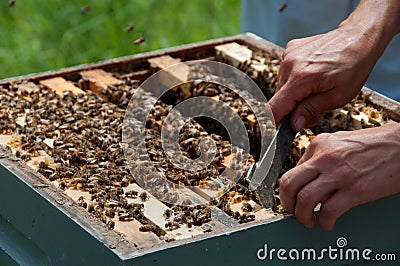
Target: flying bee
point(129, 27)
point(283, 7)
point(85, 9)
point(139, 41)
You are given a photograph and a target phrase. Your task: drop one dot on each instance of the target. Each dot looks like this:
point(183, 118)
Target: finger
point(334, 207)
point(313, 106)
point(291, 183)
point(285, 100)
point(307, 155)
point(308, 198)
point(310, 150)
point(285, 70)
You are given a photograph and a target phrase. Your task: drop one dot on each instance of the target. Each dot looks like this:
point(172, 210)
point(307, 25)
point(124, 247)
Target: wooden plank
point(162, 62)
point(60, 85)
point(129, 229)
point(220, 220)
point(98, 80)
point(264, 214)
point(235, 53)
point(154, 211)
point(27, 87)
point(171, 77)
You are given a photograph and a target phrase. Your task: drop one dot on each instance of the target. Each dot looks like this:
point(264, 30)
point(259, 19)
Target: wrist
point(374, 22)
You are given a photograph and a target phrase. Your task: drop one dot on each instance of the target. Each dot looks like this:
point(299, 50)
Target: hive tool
point(262, 175)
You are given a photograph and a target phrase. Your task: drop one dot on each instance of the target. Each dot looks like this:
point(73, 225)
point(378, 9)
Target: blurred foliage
point(36, 36)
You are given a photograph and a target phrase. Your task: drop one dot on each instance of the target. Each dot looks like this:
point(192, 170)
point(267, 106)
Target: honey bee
point(143, 196)
point(125, 217)
point(110, 224)
point(181, 218)
point(110, 213)
point(62, 185)
point(213, 201)
point(167, 213)
point(133, 206)
point(81, 202)
point(246, 207)
point(189, 223)
point(85, 9)
point(172, 225)
point(158, 231)
point(129, 27)
point(91, 208)
point(147, 228)
point(186, 202)
point(139, 41)
point(246, 217)
point(131, 194)
point(283, 7)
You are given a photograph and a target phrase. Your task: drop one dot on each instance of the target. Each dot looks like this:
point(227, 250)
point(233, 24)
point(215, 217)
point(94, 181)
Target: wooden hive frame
point(30, 187)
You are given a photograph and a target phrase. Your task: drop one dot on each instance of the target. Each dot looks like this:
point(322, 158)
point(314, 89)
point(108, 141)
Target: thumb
point(313, 106)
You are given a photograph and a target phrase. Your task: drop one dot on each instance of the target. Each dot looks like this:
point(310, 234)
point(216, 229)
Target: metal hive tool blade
point(262, 175)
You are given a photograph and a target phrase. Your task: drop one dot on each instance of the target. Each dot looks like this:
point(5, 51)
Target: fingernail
point(300, 123)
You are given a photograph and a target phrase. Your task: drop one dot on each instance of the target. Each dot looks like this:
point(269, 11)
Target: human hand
point(321, 73)
point(342, 170)
point(326, 71)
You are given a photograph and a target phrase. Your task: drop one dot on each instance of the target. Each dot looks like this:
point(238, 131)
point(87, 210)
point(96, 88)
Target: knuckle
point(286, 193)
point(329, 212)
point(322, 137)
point(285, 185)
point(292, 42)
point(311, 108)
point(304, 197)
point(287, 62)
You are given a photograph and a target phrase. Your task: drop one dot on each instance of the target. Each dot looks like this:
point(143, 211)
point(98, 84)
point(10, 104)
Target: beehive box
point(56, 151)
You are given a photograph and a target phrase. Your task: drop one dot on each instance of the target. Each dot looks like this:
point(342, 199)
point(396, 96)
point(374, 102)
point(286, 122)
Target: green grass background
point(36, 35)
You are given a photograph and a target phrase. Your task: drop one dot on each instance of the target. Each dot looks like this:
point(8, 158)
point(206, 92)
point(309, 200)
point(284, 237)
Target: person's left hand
point(342, 170)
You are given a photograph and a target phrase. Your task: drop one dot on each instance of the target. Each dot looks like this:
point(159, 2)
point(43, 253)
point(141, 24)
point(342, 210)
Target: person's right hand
point(322, 72)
